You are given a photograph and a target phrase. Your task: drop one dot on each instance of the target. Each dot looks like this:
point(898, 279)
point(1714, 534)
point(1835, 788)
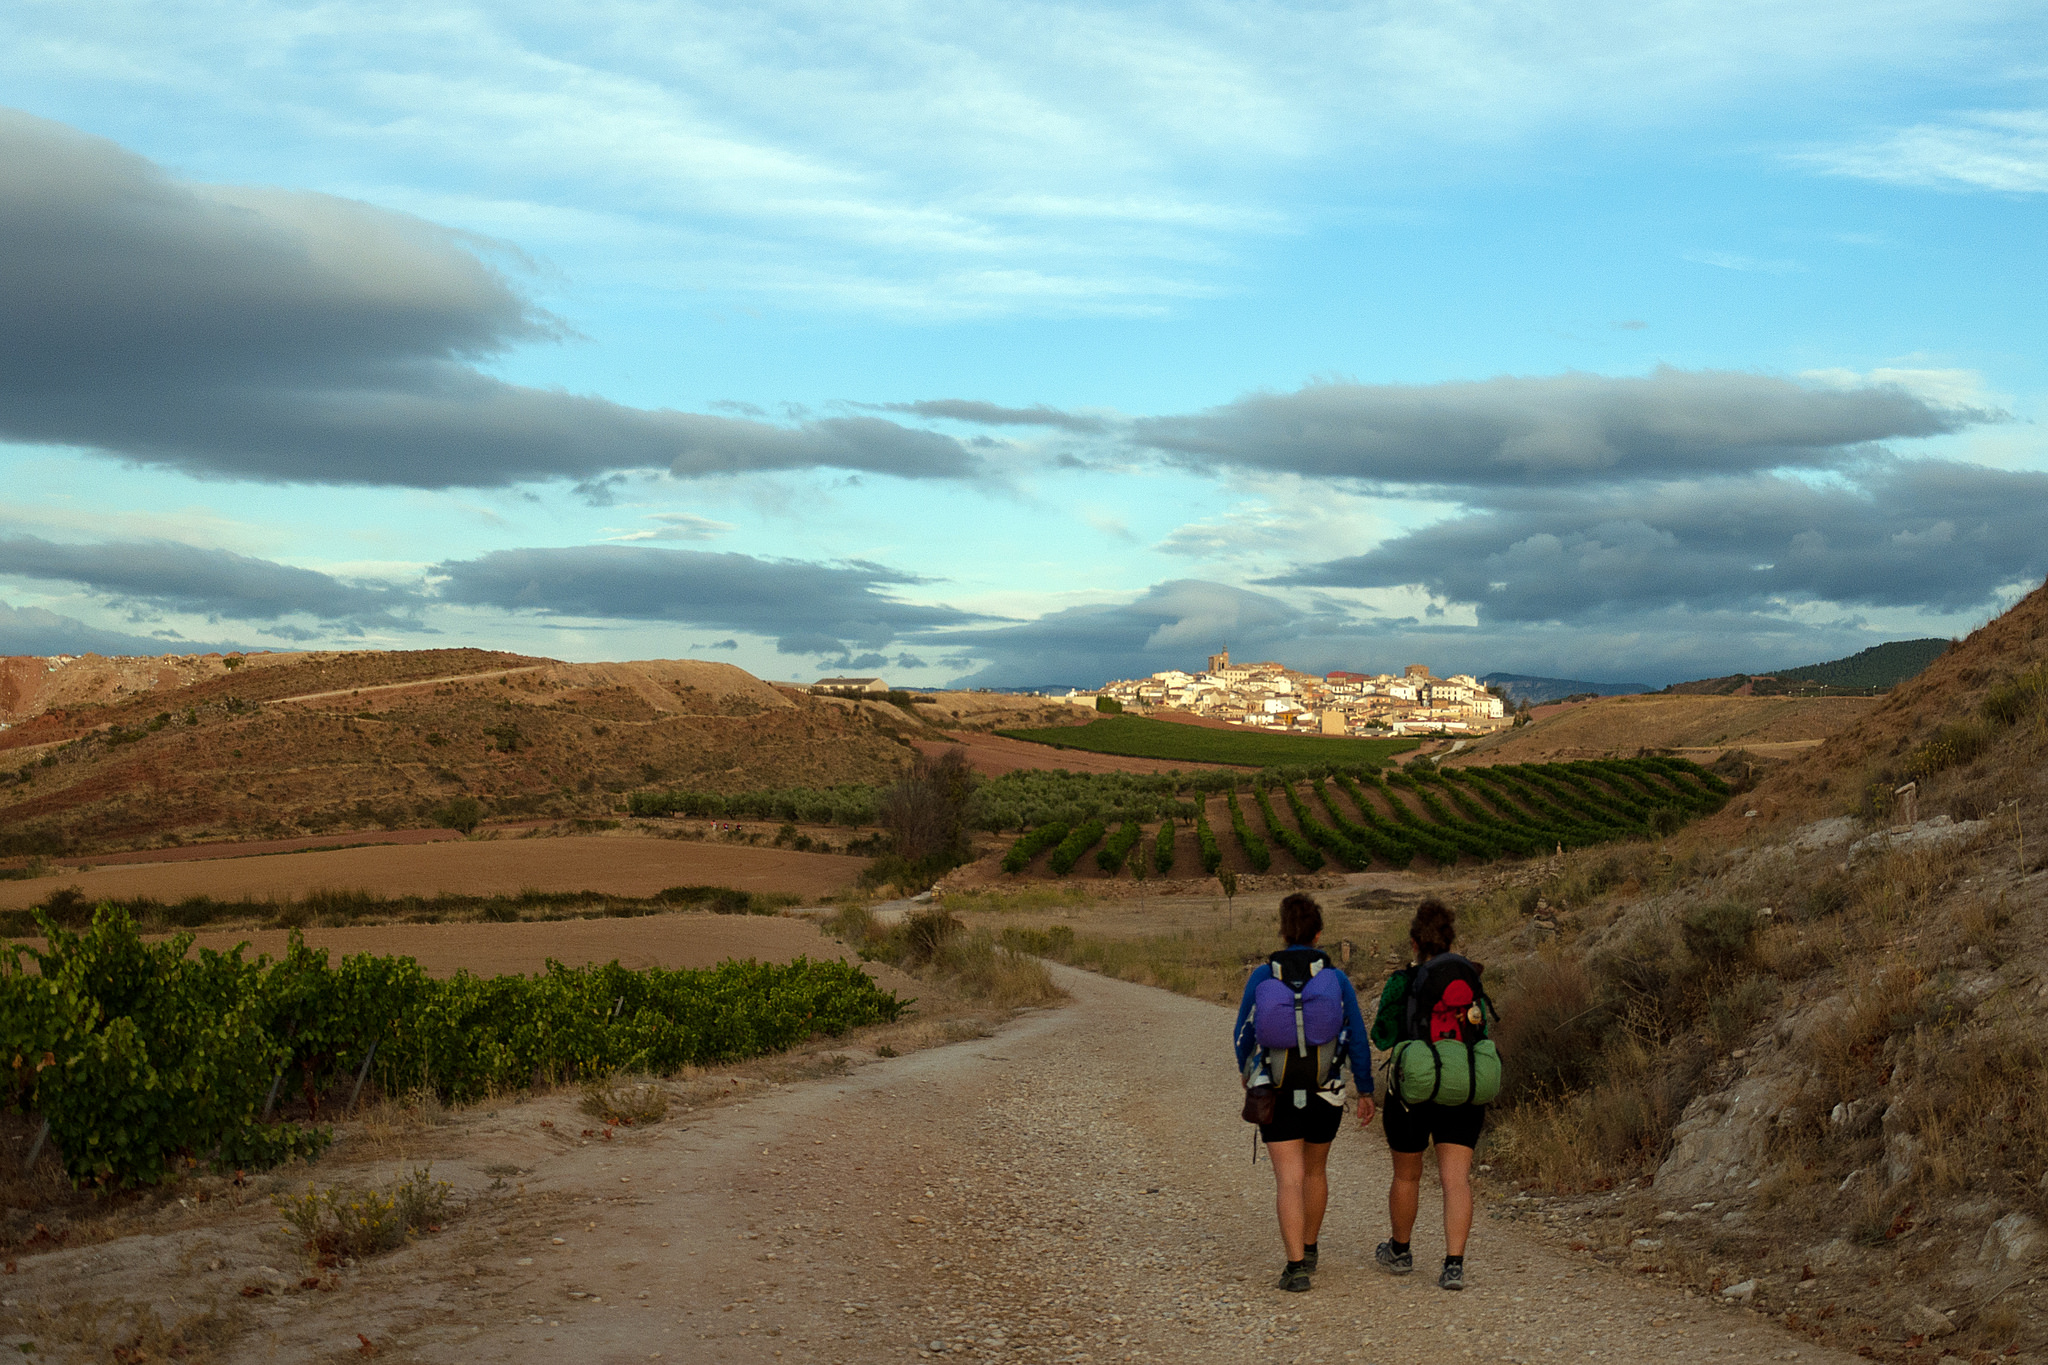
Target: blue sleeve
point(1243, 1040)
point(1358, 1042)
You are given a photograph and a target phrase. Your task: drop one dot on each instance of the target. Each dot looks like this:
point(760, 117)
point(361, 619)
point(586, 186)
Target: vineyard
point(1137, 737)
point(1306, 820)
point(140, 1057)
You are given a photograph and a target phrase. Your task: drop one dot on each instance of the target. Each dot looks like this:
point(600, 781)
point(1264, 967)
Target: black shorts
point(1316, 1121)
point(1411, 1127)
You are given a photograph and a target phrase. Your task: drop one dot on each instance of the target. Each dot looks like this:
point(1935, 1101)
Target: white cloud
point(1999, 150)
point(673, 526)
point(1728, 260)
point(1046, 157)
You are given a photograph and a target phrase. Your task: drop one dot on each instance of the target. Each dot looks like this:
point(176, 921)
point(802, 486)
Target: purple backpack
point(1297, 1013)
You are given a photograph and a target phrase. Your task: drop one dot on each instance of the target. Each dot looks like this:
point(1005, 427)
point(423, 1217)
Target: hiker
point(1298, 1021)
point(1438, 997)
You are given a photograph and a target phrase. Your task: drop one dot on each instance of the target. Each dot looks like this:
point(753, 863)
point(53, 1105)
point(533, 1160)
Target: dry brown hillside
point(307, 743)
point(1699, 727)
point(1798, 1058)
point(1929, 728)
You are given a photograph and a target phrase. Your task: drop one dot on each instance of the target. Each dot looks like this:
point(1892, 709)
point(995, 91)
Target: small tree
point(1109, 705)
point(463, 814)
point(1228, 881)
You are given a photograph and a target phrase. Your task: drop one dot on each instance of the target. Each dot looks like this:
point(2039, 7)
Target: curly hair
point(1434, 927)
point(1301, 919)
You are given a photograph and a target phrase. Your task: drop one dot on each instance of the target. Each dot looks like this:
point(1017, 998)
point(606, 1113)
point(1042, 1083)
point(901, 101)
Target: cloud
point(995, 415)
point(217, 584)
point(1728, 260)
point(1924, 534)
point(677, 526)
point(294, 337)
point(2004, 151)
point(822, 609)
point(1571, 428)
point(34, 631)
point(1172, 624)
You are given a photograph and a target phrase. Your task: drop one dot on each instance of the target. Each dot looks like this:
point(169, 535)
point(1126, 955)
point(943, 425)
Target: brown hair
point(1434, 926)
point(1301, 919)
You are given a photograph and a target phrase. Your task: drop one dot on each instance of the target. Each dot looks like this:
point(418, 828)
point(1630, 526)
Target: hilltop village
point(1273, 696)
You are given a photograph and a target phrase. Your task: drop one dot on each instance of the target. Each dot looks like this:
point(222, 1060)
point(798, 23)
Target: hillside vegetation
point(1796, 1054)
point(310, 743)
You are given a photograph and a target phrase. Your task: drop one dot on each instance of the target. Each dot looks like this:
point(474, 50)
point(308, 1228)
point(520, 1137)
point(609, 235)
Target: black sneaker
point(1294, 1279)
point(1400, 1262)
point(1452, 1278)
point(1309, 1259)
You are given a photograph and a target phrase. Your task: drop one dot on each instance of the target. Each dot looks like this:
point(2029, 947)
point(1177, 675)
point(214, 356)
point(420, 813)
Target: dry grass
point(1208, 963)
point(934, 945)
point(628, 1102)
point(121, 1331)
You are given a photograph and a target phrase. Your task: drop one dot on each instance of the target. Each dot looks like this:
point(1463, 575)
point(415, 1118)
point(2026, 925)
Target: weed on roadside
point(637, 1102)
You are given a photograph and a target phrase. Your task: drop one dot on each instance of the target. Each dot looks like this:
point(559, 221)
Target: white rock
point(2012, 1241)
point(1648, 1244)
point(1740, 1293)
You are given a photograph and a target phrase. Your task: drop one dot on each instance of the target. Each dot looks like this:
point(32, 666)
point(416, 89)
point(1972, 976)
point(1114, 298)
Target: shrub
point(1109, 706)
point(2019, 697)
point(641, 1102)
point(463, 814)
point(1721, 934)
point(1112, 856)
point(1162, 854)
point(1031, 845)
point(1070, 849)
point(1551, 1026)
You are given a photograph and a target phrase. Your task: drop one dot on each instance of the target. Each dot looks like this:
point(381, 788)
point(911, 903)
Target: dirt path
point(1075, 1189)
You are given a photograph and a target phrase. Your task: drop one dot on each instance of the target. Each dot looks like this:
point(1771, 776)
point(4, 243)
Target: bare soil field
point(621, 865)
point(1699, 727)
point(993, 755)
point(524, 948)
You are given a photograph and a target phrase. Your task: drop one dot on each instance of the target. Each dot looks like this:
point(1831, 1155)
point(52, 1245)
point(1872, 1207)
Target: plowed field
point(619, 865)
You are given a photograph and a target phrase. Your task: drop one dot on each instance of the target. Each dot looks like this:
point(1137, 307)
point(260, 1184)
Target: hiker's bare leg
point(1315, 1188)
point(1454, 1167)
point(1405, 1193)
point(1289, 1173)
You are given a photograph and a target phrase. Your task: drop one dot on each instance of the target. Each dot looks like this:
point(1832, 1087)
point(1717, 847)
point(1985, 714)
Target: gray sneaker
point(1309, 1259)
point(1400, 1262)
point(1452, 1278)
point(1294, 1280)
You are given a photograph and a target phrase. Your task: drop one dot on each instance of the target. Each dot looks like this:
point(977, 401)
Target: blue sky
point(1024, 343)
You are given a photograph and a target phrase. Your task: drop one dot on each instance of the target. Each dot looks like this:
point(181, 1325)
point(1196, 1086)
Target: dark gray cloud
point(32, 630)
point(1547, 431)
point(995, 415)
point(217, 584)
point(1922, 533)
point(821, 609)
point(284, 336)
point(1176, 624)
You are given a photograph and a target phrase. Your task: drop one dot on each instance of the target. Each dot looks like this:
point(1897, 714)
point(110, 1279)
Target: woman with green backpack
point(1441, 1073)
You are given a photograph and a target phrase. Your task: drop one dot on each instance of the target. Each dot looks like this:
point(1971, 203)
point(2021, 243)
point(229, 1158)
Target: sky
point(1024, 344)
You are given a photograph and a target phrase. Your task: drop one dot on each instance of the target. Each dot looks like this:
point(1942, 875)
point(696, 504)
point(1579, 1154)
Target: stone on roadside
point(1928, 1322)
point(1740, 1293)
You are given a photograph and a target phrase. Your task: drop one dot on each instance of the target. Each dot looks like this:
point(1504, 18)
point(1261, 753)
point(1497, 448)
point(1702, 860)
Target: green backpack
point(1461, 1065)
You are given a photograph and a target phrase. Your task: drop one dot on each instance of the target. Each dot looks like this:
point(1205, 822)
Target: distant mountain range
point(1866, 673)
point(1521, 687)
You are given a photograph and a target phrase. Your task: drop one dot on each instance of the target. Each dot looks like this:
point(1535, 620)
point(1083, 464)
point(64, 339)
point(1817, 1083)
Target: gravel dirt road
point(1076, 1188)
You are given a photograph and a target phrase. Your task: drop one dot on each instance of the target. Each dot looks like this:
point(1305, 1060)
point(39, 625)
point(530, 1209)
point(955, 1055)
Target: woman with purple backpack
point(1299, 1021)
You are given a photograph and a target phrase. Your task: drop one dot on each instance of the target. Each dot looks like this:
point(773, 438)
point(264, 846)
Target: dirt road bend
point(1077, 1188)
